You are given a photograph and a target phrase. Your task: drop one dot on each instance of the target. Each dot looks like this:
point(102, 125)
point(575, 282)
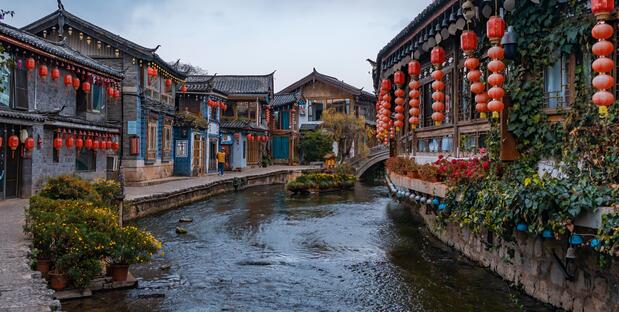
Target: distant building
point(146, 109)
point(284, 127)
point(319, 92)
point(244, 119)
point(53, 102)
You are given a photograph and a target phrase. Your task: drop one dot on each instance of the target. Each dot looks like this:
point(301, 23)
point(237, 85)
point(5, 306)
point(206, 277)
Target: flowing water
point(261, 250)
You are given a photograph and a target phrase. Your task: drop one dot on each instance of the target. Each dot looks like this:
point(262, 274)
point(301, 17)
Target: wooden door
point(227, 149)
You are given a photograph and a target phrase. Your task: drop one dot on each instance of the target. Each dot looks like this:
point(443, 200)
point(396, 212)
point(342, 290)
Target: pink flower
point(482, 150)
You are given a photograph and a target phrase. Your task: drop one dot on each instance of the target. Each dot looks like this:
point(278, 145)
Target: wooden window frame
point(166, 140)
point(568, 98)
point(151, 139)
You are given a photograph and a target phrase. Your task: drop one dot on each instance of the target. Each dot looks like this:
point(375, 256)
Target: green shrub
point(108, 190)
point(315, 145)
point(69, 187)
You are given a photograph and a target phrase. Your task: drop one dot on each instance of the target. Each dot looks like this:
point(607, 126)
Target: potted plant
point(41, 261)
point(130, 245)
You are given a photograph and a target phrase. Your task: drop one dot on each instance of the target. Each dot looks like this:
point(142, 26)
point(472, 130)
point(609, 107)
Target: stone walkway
point(136, 192)
point(21, 289)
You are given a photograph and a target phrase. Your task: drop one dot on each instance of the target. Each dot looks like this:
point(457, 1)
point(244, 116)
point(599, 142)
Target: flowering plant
point(130, 245)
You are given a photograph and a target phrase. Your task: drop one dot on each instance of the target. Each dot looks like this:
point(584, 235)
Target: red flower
point(482, 150)
point(440, 156)
point(486, 165)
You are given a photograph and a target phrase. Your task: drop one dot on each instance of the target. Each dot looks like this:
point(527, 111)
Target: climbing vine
point(581, 152)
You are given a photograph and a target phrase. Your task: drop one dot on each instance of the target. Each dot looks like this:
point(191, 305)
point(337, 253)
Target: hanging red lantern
point(386, 85)
point(468, 42)
point(250, 137)
point(437, 56)
point(495, 29)
point(76, 83)
point(603, 82)
point(79, 143)
point(29, 144)
point(88, 143)
point(110, 92)
point(115, 146)
point(13, 143)
point(58, 141)
point(55, 73)
point(96, 144)
point(471, 63)
point(184, 89)
point(398, 78)
point(68, 80)
point(43, 71)
point(86, 87)
point(30, 64)
point(168, 83)
point(69, 142)
point(414, 68)
point(602, 9)
point(150, 72)
point(117, 93)
point(602, 31)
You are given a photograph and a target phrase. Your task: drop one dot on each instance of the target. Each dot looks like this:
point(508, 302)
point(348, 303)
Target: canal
point(260, 250)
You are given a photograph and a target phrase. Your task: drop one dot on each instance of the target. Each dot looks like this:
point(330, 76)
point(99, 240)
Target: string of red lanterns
point(414, 70)
point(85, 139)
point(399, 80)
point(437, 58)
point(495, 29)
point(468, 43)
point(386, 110)
point(603, 65)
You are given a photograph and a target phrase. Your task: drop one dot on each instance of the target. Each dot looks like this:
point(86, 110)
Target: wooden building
point(319, 92)
point(284, 126)
point(146, 110)
point(52, 113)
point(244, 119)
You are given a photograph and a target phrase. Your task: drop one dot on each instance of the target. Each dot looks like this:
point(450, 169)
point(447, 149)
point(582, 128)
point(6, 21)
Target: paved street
point(21, 289)
point(135, 192)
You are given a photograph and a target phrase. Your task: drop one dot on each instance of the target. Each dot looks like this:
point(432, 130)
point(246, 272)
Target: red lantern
point(69, 141)
point(29, 144)
point(86, 87)
point(602, 9)
point(68, 80)
point(76, 83)
point(250, 137)
point(88, 143)
point(386, 85)
point(30, 64)
point(55, 73)
point(150, 71)
point(471, 63)
point(468, 41)
point(495, 29)
point(110, 92)
point(474, 75)
point(602, 31)
point(437, 56)
point(168, 83)
point(58, 142)
point(602, 48)
point(79, 143)
point(477, 87)
point(43, 71)
point(184, 89)
point(603, 82)
point(414, 68)
point(13, 143)
point(95, 144)
point(496, 52)
point(116, 93)
point(115, 146)
point(398, 78)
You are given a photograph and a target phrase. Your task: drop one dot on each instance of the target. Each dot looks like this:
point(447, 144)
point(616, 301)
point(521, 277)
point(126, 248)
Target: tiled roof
point(58, 49)
point(315, 75)
point(309, 127)
point(157, 106)
point(241, 125)
point(81, 121)
point(233, 84)
point(412, 26)
point(7, 113)
point(123, 44)
point(282, 99)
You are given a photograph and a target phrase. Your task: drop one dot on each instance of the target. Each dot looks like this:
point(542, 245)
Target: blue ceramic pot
point(547, 234)
point(522, 227)
point(575, 239)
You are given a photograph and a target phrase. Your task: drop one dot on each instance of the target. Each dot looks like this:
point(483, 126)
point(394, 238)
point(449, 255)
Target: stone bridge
point(377, 154)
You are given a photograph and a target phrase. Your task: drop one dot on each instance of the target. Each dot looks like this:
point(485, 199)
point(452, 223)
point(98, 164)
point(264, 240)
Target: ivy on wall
point(582, 151)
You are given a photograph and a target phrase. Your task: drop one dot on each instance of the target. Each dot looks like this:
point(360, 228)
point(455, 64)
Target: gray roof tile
point(232, 84)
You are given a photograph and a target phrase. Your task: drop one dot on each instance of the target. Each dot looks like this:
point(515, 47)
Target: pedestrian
point(221, 161)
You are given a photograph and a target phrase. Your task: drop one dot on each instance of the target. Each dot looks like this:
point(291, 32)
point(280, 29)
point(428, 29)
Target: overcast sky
point(248, 36)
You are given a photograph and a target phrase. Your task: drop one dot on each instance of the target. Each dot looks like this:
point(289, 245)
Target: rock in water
point(185, 220)
point(164, 267)
point(180, 230)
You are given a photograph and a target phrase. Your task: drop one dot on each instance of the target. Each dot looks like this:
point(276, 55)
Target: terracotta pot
point(119, 272)
point(43, 266)
point(58, 281)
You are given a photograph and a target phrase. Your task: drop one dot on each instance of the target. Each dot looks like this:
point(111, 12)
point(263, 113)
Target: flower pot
point(43, 266)
point(58, 281)
point(119, 272)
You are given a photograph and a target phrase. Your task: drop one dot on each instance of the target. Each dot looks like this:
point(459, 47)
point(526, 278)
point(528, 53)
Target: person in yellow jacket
point(221, 161)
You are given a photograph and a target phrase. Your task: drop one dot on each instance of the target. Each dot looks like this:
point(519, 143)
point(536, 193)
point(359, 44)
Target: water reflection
point(261, 250)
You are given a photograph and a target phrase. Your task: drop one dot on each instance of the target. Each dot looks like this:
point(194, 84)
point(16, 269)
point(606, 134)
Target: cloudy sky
point(248, 36)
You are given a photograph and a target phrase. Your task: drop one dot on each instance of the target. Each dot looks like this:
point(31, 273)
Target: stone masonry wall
point(529, 263)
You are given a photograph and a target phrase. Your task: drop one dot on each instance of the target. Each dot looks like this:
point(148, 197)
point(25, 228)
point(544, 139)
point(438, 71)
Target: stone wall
point(529, 262)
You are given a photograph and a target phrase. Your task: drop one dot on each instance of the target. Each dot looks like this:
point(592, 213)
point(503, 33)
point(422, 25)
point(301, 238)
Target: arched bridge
point(377, 154)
